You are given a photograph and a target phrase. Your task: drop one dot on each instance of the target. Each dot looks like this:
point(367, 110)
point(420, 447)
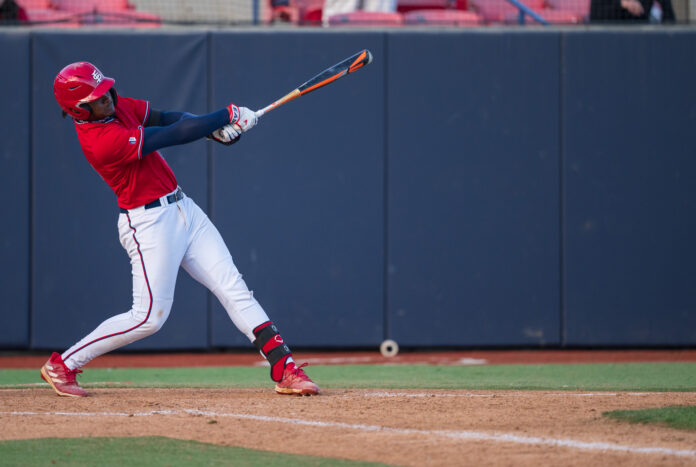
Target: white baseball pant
point(158, 241)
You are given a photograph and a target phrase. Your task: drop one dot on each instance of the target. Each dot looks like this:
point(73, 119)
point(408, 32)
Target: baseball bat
point(331, 74)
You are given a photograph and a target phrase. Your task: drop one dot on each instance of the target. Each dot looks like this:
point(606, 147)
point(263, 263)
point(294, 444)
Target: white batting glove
point(247, 119)
point(228, 134)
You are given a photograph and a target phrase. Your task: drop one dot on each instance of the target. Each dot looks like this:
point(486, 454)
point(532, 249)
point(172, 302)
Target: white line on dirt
point(558, 394)
point(451, 434)
point(46, 385)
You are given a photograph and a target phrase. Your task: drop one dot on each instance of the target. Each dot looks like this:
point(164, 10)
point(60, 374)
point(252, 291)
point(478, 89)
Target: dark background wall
point(628, 172)
point(466, 189)
point(472, 189)
point(15, 167)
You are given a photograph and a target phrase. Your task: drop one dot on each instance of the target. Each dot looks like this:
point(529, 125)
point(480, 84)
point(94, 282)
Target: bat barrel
point(331, 74)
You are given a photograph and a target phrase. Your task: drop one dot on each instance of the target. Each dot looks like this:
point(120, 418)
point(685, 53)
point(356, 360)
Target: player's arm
point(226, 135)
point(190, 127)
point(165, 118)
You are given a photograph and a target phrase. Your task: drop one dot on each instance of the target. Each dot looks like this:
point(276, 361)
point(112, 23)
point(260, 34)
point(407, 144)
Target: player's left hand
point(247, 119)
point(242, 117)
point(227, 135)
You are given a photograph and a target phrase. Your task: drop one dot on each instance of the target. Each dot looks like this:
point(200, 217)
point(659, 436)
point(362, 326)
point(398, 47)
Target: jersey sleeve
point(142, 110)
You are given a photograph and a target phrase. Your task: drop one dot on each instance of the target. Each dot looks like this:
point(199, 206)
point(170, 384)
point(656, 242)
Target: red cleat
point(295, 381)
point(61, 378)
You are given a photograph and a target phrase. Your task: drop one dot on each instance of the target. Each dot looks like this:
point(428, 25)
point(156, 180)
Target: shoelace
point(299, 372)
point(72, 375)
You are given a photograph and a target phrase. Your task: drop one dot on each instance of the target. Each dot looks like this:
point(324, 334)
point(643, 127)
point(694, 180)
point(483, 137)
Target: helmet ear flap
point(85, 106)
point(114, 96)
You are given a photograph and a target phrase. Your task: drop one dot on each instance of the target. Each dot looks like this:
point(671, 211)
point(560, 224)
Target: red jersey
point(113, 147)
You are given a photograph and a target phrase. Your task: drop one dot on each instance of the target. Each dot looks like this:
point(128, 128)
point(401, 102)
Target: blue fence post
point(524, 9)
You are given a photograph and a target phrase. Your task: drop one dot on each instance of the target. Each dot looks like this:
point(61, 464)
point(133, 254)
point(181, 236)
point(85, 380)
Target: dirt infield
point(412, 428)
point(401, 427)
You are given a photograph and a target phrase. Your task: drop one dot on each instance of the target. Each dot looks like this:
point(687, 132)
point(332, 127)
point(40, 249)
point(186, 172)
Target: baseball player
point(159, 226)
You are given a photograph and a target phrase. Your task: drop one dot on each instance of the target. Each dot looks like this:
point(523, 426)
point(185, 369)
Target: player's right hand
point(243, 117)
point(228, 134)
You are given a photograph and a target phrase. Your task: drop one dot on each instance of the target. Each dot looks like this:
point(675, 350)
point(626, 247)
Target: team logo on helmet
point(98, 77)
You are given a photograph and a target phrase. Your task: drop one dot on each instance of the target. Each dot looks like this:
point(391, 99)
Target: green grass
point(148, 451)
point(682, 417)
point(638, 377)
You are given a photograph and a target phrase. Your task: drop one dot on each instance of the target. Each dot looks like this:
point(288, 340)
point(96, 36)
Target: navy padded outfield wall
point(473, 189)
point(468, 188)
point(15, 196)
point(629, 175)
point(81, 272)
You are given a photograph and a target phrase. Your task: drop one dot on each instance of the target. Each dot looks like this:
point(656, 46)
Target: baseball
point(389, 348)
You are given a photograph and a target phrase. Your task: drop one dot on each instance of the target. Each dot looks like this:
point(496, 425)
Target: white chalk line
point(507, 394)
point(46, 385)
point(463, 435)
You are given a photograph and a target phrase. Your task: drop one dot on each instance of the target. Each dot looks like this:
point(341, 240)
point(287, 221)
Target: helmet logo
point(98, 77)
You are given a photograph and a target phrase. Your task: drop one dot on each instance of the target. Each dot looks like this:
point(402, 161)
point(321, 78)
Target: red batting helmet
point(79, 83)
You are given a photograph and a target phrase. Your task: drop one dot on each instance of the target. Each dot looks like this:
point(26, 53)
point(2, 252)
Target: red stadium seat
point(130, 19)
point(35, 4)
point(496, 11)
point(404, 6)
point(552, 16)
point(579, 7)
point(111, 13)
point(367, 18)
point(81, 6)
point(311, 16)
point(52, 18)
point(309, 10)
point(442, 18)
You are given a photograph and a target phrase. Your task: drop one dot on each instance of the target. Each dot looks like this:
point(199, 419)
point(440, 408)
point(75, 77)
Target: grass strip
point(148, 451)
point(637, 377)
point(681, 417)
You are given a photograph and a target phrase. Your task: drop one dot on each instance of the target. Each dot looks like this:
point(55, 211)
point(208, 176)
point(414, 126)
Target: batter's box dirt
point(413, 428)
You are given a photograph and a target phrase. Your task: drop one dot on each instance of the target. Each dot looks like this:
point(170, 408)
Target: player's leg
point(155, 241)
point(208, 260)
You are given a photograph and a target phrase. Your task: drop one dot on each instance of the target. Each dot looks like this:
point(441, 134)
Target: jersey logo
point(131, 140)
point(98, 77)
